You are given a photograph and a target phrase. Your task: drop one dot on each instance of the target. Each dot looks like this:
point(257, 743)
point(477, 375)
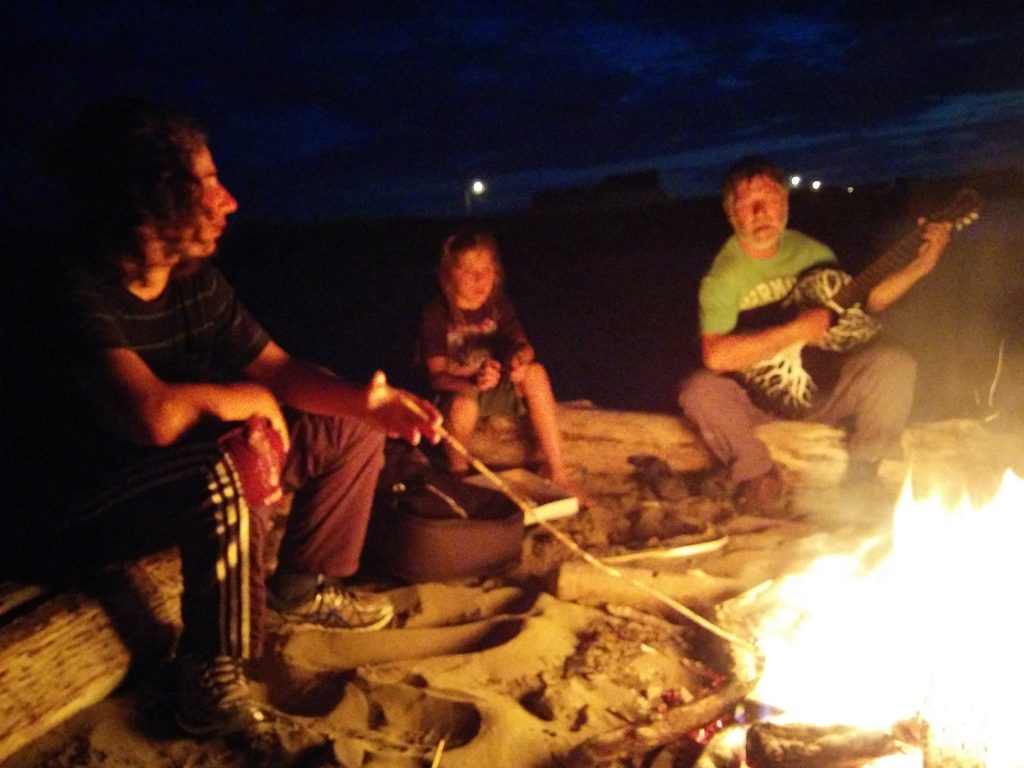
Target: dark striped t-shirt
point(197, 330)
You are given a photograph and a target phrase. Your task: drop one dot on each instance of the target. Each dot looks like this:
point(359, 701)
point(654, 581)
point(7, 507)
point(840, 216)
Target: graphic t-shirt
point(469, 338)
point(737, 290)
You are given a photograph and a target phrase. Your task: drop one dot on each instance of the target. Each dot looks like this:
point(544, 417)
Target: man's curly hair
point(128, 164)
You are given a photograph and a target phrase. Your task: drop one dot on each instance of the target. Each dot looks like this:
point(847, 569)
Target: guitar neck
point(857, 290)
point(961, 211)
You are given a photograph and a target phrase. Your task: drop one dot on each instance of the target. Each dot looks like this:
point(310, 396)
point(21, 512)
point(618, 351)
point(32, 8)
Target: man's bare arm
point(312, 388)
point(935, 239)
point(736, 351)
point(140, 407)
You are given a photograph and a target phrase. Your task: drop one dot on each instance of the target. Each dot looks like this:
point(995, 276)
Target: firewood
point(75, 648)
point(602, 441)
point(580, 582)
point(677, 723)
point(773, 745)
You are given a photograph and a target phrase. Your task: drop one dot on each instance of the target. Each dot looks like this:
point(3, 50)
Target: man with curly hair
point(181, 420)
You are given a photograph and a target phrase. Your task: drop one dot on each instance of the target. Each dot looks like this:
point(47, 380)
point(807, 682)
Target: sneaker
point(332, 606)
point(214, 698)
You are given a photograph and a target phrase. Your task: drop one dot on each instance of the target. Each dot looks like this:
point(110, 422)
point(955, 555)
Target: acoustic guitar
point(788, 382)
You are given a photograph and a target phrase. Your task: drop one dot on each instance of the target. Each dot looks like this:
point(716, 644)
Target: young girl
point(478, 356)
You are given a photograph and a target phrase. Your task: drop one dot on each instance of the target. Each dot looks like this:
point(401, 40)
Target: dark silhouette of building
point(621, 190)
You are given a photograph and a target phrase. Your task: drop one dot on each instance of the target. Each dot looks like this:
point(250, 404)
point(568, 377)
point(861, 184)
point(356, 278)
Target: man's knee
point(322, 441)
point(894, 365)
point(697, 390)
point(361, 436)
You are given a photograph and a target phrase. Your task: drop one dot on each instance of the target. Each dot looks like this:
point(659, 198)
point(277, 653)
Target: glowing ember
point(930, 630)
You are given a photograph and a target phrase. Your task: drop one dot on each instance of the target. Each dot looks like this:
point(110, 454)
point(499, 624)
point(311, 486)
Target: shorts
point(501, 400)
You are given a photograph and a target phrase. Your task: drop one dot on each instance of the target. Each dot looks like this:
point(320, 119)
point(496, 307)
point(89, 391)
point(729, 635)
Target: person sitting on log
point(477, 355)
point(751, 321)
point(176, 418)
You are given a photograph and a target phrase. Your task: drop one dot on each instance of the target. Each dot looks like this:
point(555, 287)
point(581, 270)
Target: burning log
point(772, 745)
point(677, 723)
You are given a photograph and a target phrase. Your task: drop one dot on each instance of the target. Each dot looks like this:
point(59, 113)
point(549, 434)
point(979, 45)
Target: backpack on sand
point(430, 526)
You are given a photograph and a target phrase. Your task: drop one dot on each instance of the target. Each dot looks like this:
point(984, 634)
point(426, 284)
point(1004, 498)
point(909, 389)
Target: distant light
point(794, 181)
point(475, 188)
point(815, 185)
point(849, 190)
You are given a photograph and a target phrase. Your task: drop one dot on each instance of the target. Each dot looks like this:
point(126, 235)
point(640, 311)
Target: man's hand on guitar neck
point(935, 237)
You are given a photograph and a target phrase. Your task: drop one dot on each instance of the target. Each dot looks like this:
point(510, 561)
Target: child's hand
point(489, 375)
point(518, 363)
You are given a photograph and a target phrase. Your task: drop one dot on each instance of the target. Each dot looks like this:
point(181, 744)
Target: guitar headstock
point(964, 210)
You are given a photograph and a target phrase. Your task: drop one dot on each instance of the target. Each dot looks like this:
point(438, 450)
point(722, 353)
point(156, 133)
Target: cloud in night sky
point(317, 110)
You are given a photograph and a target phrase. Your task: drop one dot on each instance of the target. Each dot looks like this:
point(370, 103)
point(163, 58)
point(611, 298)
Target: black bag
point(430, 526)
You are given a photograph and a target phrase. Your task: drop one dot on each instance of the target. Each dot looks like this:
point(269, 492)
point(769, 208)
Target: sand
point(554, 661)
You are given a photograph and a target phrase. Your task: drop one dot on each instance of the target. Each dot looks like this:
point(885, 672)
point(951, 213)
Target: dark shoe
point(716, 484)
point(763, 495)
point(332, 606)
point(654, 474)
point(214, 698)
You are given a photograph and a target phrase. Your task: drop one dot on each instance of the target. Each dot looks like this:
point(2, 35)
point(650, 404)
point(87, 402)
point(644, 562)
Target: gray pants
point(872, 400)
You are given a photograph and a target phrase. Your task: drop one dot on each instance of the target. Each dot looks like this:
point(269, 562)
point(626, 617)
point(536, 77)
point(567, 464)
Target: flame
point(930, 630)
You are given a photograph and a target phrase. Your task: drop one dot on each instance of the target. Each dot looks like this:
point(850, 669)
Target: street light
point(475, 189)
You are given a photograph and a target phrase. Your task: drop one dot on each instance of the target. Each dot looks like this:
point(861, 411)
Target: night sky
point(324, 109)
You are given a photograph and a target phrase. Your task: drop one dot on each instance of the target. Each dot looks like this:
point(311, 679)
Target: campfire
point(903, 653)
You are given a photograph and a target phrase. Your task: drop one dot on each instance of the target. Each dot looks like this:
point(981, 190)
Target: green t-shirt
point(736, 283)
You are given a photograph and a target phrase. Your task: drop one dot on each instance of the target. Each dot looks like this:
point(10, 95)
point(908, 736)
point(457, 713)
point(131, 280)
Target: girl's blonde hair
point(454, 246)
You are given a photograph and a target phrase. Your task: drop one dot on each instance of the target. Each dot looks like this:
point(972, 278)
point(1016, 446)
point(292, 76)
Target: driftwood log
point(772, 745)
point(597, 441)
point(581, 582)
point(636, 740)
point(64, 652)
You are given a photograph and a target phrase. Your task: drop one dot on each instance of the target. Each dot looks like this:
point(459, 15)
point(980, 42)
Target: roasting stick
point(437, 754)
point(527, 509)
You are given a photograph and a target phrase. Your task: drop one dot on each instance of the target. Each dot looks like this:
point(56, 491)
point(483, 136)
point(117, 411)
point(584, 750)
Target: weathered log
point(76, 647)
point(774, 745)
point(580, 582)
point(602, 441)
point(598, 441)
